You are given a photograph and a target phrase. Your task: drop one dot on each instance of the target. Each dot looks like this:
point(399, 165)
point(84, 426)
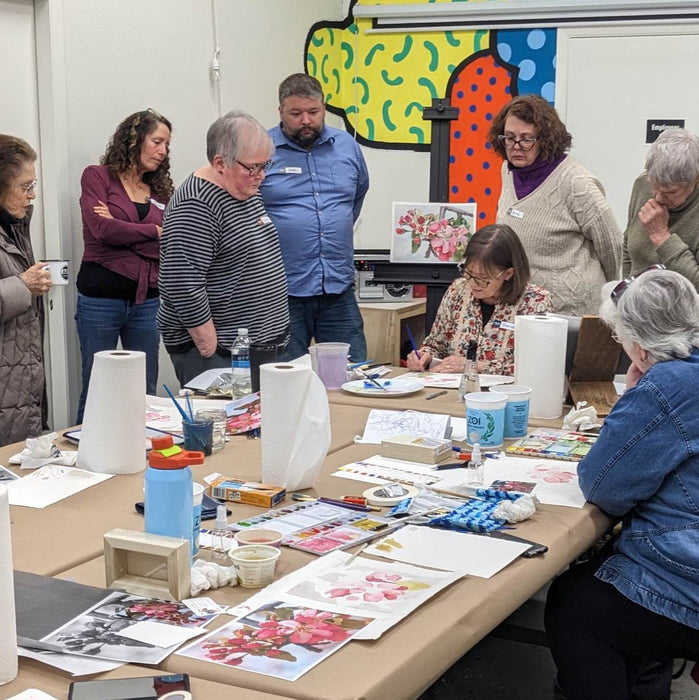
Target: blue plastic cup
point(198, 435)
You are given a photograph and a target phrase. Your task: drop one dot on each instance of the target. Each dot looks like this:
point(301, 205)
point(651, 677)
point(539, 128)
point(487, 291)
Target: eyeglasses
point(526, 144)
point(624, 284)
point(28, 189)
point(256, 168)
point(482, 281)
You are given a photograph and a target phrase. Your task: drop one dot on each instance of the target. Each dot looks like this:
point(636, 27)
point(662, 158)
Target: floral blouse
point(459, 321)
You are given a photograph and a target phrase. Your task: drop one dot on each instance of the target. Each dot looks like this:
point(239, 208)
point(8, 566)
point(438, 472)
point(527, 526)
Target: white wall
point(124, 56)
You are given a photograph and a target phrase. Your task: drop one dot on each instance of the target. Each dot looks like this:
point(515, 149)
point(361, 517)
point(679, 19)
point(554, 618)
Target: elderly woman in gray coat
point(663, 222)
point(22, 284)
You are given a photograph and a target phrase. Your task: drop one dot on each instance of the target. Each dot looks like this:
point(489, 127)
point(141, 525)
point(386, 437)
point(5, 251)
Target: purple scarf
point(529, 177)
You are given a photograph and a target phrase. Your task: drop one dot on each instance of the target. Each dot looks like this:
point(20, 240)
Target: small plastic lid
point(242, 331)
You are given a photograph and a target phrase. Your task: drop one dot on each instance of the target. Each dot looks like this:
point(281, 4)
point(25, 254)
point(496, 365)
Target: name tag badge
point(158, 205)
point(291, 170)
point(507, 326)
point(516, 213)
point(263, 220)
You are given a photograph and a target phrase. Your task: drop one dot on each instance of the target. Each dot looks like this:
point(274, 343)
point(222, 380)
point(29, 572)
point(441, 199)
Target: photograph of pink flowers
point(278, 639)
point(431, 232)
point(385, 590)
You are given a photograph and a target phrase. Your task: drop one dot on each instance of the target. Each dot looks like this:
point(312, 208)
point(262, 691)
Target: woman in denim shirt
point(638, 603)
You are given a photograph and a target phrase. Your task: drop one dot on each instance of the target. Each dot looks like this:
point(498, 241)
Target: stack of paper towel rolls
point(540, 355)
point(113, 436)
point(295, 423)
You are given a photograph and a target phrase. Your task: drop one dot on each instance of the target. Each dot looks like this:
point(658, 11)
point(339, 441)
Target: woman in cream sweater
point(555, 205)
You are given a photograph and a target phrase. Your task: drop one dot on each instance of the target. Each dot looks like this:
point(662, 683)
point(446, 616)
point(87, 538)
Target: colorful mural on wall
point(380, 83)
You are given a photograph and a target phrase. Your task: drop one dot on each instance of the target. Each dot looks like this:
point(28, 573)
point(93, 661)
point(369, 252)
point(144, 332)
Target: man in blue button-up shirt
point(314, 193)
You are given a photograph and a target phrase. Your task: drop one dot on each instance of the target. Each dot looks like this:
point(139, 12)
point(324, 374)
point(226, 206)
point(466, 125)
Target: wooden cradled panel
point(147, 565)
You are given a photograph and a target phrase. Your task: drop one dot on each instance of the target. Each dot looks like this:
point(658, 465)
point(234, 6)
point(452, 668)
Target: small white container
point(517, 408)
point(259, 535)
point(58, 269)
point(254, 564)
point(485, 418)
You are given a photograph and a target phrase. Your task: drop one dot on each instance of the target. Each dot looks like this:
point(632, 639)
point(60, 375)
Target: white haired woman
point(637, 605)
point(663, 224)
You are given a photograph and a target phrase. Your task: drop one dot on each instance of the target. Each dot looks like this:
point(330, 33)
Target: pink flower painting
point(438, 231)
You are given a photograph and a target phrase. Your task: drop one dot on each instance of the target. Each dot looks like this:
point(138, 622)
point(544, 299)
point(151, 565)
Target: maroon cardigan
point(123, 244)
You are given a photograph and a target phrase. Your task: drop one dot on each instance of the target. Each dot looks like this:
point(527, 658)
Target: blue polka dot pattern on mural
point(533, 52)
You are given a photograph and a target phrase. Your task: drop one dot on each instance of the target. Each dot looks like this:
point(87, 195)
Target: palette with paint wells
point(317, 527)
point(554, 444)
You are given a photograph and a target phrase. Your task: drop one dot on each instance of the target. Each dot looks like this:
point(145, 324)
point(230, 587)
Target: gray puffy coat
point(22, 387)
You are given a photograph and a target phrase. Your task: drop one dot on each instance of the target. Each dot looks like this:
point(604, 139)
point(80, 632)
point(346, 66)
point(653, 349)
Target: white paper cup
point(197, 495)
point(58, 270)
point(254, 564)
point(259, 535)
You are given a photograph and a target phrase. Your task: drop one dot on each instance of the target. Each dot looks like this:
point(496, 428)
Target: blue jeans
point(329, 318)
point(102, 322)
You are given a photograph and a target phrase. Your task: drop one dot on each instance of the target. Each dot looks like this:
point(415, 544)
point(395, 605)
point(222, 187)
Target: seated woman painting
point(478, 310)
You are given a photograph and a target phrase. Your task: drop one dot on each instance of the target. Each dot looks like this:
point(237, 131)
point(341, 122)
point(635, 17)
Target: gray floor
point(502, 669)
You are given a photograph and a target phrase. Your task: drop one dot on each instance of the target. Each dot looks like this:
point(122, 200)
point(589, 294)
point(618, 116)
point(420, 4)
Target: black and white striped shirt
point(220, 259)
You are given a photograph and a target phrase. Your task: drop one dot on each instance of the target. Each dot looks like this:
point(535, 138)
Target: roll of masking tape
point(375, 497)
point(176, 695)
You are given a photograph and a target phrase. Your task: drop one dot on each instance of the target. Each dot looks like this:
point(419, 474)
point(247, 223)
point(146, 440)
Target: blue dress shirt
point(314, 197)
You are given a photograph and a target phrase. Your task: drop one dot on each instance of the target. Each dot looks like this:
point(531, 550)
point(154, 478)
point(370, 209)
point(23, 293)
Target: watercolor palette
point(339, 534)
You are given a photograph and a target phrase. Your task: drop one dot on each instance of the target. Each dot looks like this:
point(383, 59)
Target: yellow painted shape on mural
point(383, 81)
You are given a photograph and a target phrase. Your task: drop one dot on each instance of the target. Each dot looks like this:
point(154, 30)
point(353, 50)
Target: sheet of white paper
point(448, 550)
point(381, 470)
point(33, 694)
point(383, 424)
point(51, 484)
point(70, 663)
point(160, 635)
point(556, 480)
point(388, 591)
point(440, 380)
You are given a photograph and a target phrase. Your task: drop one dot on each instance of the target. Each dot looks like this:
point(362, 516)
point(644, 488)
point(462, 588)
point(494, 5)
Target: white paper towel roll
point(8, 626)
point(113, 431)
point(295, 422)
point(540, 357)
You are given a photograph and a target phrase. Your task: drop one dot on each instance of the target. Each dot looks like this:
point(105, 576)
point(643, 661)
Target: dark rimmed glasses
point(526, 144)
point(482, 282)
point(624, 284)
point(256, 168)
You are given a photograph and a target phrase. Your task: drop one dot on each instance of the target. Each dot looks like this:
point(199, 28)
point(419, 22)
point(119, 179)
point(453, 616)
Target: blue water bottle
point(168, 502)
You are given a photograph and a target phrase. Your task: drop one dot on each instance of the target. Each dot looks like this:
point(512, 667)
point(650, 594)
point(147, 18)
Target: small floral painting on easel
point(431, 232)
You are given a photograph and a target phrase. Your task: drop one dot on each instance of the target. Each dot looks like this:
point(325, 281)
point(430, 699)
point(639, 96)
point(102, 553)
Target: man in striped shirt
point(220, 262)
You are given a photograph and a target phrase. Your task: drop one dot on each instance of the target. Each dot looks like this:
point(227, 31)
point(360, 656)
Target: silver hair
point(674, 158)
point(234, 135)
point(659, 310)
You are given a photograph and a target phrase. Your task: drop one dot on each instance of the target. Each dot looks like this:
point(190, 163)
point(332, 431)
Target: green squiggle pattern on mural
point(390, 81)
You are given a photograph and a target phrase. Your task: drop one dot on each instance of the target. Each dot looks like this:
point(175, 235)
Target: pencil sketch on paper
point(383, 424)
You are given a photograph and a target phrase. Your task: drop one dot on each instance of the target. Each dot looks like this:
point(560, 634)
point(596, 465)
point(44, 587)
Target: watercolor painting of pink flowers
point(431, 232)
point(278, 639)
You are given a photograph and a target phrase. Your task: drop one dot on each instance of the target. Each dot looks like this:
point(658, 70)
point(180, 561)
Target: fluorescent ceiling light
point(530, 13)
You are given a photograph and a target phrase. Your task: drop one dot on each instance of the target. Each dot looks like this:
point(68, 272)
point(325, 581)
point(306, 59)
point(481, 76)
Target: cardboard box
point(416, 448)
point(250, 492)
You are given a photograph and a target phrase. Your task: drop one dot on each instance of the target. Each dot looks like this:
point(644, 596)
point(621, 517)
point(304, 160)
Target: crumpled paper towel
point(40, 451)
point(208, 574)
point(581, 417)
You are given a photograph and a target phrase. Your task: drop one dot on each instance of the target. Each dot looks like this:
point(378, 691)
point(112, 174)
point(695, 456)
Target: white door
point(610, 81)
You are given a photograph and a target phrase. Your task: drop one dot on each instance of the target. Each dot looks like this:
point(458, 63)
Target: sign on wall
point(655, 127)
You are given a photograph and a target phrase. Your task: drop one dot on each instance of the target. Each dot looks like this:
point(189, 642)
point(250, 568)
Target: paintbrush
point(372, 380)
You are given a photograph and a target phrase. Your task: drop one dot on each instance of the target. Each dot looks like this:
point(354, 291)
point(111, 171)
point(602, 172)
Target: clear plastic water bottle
point(169, 508)
point(240, 364)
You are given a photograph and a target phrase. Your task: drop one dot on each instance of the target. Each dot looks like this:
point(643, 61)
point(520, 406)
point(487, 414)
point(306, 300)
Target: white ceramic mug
point(58, 270)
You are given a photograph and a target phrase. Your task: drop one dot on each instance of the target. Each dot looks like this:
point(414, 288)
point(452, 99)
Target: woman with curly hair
point(122, 202)
point(556, 206)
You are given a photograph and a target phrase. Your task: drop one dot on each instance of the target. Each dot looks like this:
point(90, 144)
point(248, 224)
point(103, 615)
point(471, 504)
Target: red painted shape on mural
point(480, 90)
